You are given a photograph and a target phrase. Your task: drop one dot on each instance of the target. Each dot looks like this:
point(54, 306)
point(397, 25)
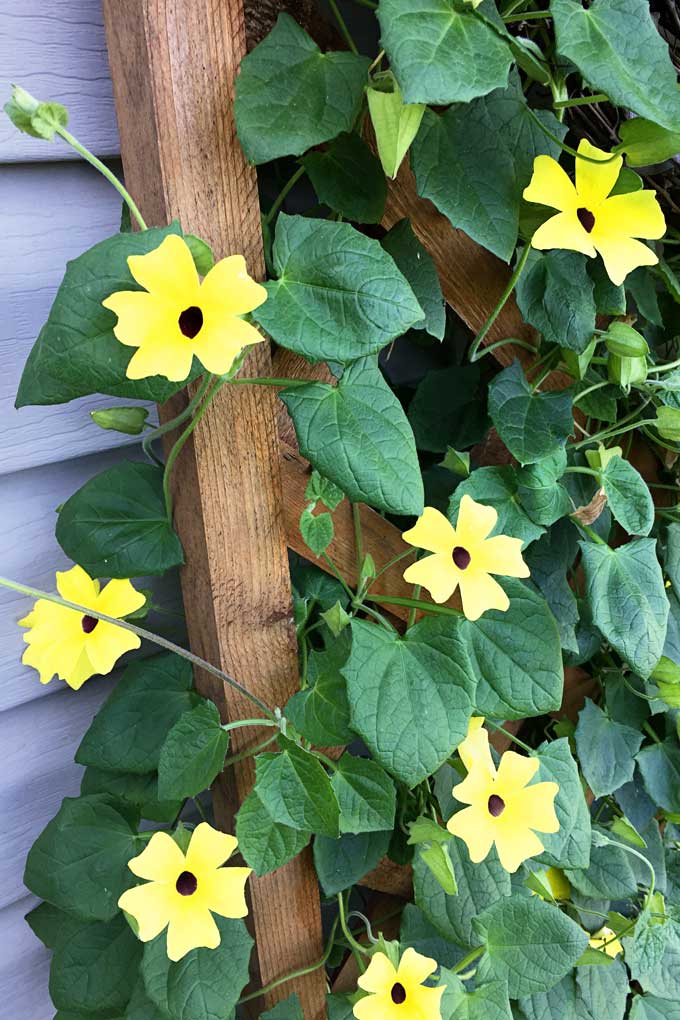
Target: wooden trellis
point(239, 484)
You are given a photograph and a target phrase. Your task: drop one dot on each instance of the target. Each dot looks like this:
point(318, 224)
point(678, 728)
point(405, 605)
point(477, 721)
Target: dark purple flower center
point(191, 321)
point(496, 805)
point(585, 218)
point(88, 623)
point(398, 993)
point(186, 884)
point(461, 557)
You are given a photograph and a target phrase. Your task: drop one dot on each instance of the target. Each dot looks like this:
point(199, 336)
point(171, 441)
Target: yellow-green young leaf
point(645, 143)
point(336, 619)
point(442, 53)
point(617, 48)
point(366, 795)
point(128, 420)
point(265, 843)
point(532, 425)
point(341, 863)
point(193, 753)
point(628, 497)
point(622, 827)
point(529, 943)
point(606, 750)
point(395, 122)
point(209, 982)
point(425, 830)
point(625, 341)
point(291, 96)
point(487, 1002)
point(436, 858)
point(92, 969)
point(117, 525)
point(357, 435)
point(322, 490)
point(339, 295)
point(415, 262)
point(348, 178)
point(294, 788)
point(316, 530)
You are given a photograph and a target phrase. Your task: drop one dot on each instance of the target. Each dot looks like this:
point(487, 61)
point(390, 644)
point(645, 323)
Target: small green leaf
point(341, 863)
point(116, 525)
point(668, 423)
point(487, 1002)
point(651, 1007)
point(628, 497)
point(193, 753)
point(265, 843)
point(320, 712)
point(336, 619)
point(339, 295)
point(532, 425)
point(606, 750)
point(28, 114)
point(356, 434)
point(348, 178)
point(660, 768)
point(294, 787)
point(414, 261)
point(209, 982)
point(555, 295)
point(322, 490)
point(92, 966)
point(395, 123)
point(316, 530)
point(645, 143)
point(290, 96)
point(366, 795)
point(201, 253)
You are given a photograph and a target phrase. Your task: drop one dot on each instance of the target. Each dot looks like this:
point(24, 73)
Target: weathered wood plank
point(173, 66)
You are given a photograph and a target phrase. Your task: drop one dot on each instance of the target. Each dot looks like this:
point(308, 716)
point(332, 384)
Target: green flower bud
point(394, 122)
point(130, 420)
point(626, 371)
point(625, 341)
point(28, 114)
point(668, 423)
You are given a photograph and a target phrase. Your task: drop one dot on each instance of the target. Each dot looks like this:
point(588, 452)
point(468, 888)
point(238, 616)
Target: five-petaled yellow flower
point(75, 646)
point(589, 220)
point(177, 316)
point(399, 993)
point(184, 890)
point(464, 556)
point(503, 809)
point(605, 940)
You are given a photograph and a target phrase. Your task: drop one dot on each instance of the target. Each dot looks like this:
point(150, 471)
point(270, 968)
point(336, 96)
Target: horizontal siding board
point(24, 967)
point(57, 50)
point(51, 213)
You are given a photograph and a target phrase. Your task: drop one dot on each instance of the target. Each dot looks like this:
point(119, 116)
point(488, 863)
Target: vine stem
point(567, 148)
point(598, 97)
point(356, 947)
point(467, 960)
point(161, 430)
point(104, 171)
point(527, 16)
point(345, 32)
point(296, 973)
point(177, 448)
point(428, 607)
point(476, 343)
point(283, 194)
point(266, 380)
point(358, 537)
point(249, 752)
point(510, 736)
point(515, 341)
point(146, 635)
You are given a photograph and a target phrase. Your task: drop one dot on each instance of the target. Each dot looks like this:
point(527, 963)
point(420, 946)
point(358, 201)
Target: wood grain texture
point(173, 66)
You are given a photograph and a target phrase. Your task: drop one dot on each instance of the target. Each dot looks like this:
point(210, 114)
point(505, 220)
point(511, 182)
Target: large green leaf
point(569, 847)
point(348, 178)
point(207, 983)
point(410, 697)
point(651, 1007)
point(618, 50)
point(660, 768)
point(628, 599)
point(265, 843)
point(448, 409)
point(291, 96)
point(498, 487)
point(339, 296)
point(645, 143)
point(92, 966)
point(628, 496)
point(533, 426)
point(130, 728)
point(516, 657)
point(140, 1006)
point(418, 932)
point(141, 791)
point(341, 863)
point(356, 434)
point(193, 753)
point(475, 160)
point(529, 943)
point(296, 791)
point(548, 560)
point(487, 1002)
point(606, 750)
point(366, 795)
point(79, 861)
point(415, 262)
point(76, 352)
point(442, 53)
point(555, 294)
point(116, 525)
point(609, 876)
point(289, 1009)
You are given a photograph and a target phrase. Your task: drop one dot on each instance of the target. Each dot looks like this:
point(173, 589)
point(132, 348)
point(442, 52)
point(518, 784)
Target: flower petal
point(219, 343)
point(209, 849)
point(475, 521)
point(432, 531)
point(536, 804)
point(475, 827)
point(379, 976)
point(515, 846)
point(151, 906)
point(168, 271)
point(637, 214)
point(480, 593)
point(105, 645)
point(413, 968)
point(225, 891)
point(563, 231)
point(621, 255)
point(594, 181)
point(229, 289)
point(79, 672)
point(502, 555)
point(140, 316)
point(75, 585)
point(119, 598)
point(189, 929)
point(160, 861)
point(160, 357)
point(437, 573)
point(550, 185)
point(515, 771)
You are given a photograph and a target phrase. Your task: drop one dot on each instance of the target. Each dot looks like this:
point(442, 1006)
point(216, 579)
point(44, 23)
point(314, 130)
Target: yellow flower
point(604, 939)
point(504, 809)
point(464, 556)
point(176, 316)
point(183, 889)
point(75, 647)
point(399, 994)
point(589, 220)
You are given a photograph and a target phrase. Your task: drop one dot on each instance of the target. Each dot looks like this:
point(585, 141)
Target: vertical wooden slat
point(173, 64)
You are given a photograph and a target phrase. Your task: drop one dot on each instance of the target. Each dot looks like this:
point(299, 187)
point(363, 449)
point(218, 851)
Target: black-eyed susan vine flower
point(606, 940)
point(74, 646)
point(177, 316)
point(183, 891)
point(399, 993)
point(464, 556)
point(592, 220)
point(504, 810)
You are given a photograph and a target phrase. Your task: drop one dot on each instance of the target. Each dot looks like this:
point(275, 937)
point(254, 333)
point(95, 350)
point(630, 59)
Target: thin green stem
point(179, 444)
point(367, 3)
point(567, 148)
point(598, 97)
point(104, 171)
point(358, 537)
point(240, 723)
point(378, 617)
point(650, 732)
point(665, 368)
point(591, 389)
point(473, 354)
point(515, 341)
point(356, 947)
point(199, 808)
point(265, 380)
point(391, 563)
point(510, 736)
point(613, 430)
point(325, 759)
point(334, 570)
point(467, 960)
point(577, 470)
point(427, 607)
point(295, 973)
point(528, 16)
point(249, 752)
point(635, 853)
point(344, 31)
point(283, 194)
point(145, 635)
point(417, 588)
point(162, 430)
point(588, 532)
